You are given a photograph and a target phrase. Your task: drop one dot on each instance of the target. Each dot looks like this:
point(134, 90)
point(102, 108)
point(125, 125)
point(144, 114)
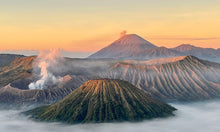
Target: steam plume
point(123, 33)
point(45, 60)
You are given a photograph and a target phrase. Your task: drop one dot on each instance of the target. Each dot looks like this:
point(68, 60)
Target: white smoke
point(45, 60)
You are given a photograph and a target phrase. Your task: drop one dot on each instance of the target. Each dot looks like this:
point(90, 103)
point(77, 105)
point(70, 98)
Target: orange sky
point(87, 26)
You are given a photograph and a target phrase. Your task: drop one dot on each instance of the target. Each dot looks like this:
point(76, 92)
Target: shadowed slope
point(103, 100)
point(7, 58)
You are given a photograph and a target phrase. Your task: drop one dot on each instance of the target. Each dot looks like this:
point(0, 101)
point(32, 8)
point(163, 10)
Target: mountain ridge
point(186, 79)
point(134, 47)
point(165, 78)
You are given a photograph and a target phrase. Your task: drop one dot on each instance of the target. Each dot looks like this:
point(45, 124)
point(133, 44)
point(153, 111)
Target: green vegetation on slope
point(103, 100)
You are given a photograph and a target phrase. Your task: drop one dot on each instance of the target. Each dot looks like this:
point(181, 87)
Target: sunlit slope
point(18, 69)
point(103, 100)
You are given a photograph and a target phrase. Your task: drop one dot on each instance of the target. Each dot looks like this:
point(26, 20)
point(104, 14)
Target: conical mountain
point(125, 47)
point(103, 100)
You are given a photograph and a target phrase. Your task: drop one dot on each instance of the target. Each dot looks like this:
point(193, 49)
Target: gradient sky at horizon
point(89, 25)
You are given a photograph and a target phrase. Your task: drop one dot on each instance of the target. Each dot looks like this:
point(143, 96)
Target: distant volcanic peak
point(185, 47)
point(104, 100)
point(132, 36)
point(125, 47)
point(133, 39)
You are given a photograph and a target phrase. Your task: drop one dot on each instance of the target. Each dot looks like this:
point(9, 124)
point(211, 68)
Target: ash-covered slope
point(125, 47)
point(186, 79)
point(19, 97)
point(103, 100)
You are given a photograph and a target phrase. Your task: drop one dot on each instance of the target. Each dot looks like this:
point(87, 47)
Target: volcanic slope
point(7, 58)
point(19, 97)
point(186, 79)
point(125, 47)
point(103, 100)
point(18, 69)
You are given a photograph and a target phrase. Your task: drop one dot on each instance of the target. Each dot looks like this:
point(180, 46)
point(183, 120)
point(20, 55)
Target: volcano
point(134, 47)
point(185, 78)
point(125, 47)
point(203, 53)
point(103, 100)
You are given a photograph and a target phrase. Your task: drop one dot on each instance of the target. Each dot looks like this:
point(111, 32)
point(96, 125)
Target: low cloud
point(194, 117)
